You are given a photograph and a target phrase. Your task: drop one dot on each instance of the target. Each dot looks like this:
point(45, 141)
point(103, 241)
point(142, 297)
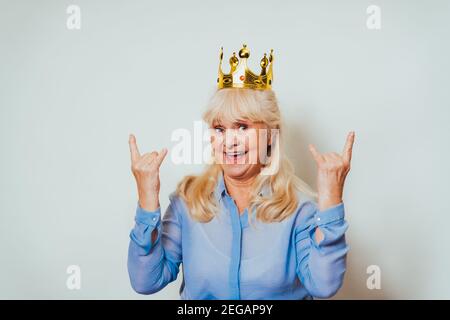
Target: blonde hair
point(197, 191)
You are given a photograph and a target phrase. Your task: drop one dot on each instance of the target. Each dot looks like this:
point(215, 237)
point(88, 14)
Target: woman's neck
point(239, 190)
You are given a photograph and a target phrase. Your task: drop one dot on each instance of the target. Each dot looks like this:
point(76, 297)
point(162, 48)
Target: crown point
point(264, 62)
point(244, 52)
point(234, 61)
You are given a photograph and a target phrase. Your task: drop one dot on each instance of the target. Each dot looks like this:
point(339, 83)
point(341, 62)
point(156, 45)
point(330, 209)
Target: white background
point(70, 98)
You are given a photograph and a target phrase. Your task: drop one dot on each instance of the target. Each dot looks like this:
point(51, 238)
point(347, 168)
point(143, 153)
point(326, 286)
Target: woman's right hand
point(145, 169)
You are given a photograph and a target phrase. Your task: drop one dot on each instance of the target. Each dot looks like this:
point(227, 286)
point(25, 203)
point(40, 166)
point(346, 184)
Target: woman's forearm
point(149, 201)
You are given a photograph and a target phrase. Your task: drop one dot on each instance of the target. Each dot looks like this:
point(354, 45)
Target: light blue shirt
point(227, 258)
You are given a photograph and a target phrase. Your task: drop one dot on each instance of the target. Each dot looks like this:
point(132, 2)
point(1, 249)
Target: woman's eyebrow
point(235, 123)
point(239, 122)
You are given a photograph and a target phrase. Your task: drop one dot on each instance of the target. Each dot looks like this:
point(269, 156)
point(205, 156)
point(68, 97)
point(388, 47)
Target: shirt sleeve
point(321, 266)
point(151, 266)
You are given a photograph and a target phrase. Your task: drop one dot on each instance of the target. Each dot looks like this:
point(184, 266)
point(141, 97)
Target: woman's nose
point(231, 140)
point(231, 143)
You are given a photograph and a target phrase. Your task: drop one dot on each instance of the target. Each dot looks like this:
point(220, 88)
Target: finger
point(133, 148)
point(332, 157)
point(147, 159)
point(347, 153)
point(315, 153)
point(159, 159)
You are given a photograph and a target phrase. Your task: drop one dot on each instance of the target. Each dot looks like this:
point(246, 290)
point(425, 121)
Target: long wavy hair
point(233, 104)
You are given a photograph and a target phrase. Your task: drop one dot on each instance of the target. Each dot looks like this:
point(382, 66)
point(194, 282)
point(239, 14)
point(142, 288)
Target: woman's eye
point(218, 130)
point(243, 127)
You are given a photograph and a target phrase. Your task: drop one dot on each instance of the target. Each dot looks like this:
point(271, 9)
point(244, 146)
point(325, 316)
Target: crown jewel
point(241, 76)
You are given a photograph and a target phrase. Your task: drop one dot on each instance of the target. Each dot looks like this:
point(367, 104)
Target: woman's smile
point(235, 156)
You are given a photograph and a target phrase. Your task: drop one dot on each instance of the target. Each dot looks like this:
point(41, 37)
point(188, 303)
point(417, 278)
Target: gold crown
point(240, 75)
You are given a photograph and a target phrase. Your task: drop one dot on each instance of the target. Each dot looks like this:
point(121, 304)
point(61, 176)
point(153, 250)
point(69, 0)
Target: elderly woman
point(247, 227)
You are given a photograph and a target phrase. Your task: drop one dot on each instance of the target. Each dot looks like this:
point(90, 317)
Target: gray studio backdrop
point(70, 97)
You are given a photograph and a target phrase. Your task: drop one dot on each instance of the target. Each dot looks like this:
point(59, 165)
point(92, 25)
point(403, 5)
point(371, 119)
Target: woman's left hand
point(332, 168)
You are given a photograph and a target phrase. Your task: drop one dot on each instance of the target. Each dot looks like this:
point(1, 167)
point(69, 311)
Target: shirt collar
point(221, 190)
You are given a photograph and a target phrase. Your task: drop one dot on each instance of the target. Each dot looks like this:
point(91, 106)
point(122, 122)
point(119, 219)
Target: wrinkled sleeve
point(151, 266)
point(321, 267)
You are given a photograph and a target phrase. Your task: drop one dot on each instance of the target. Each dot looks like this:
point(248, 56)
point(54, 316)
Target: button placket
point(236, 248)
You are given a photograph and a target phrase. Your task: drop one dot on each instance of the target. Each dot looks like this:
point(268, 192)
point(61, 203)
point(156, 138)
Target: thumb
point(159, 159)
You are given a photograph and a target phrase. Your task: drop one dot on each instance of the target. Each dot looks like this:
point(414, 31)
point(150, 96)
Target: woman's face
point(240, 146)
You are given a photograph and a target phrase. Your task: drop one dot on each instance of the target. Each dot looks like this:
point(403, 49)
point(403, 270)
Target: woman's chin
point(235, 169)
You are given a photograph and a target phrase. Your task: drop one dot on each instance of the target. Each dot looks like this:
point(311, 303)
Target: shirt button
point(318, 219)
point(154, 218)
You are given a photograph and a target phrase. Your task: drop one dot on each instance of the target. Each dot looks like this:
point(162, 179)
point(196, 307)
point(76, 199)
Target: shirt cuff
point(151, 218)
point(330, 215)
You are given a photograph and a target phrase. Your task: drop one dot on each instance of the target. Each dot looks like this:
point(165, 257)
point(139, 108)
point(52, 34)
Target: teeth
point(235, 154)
